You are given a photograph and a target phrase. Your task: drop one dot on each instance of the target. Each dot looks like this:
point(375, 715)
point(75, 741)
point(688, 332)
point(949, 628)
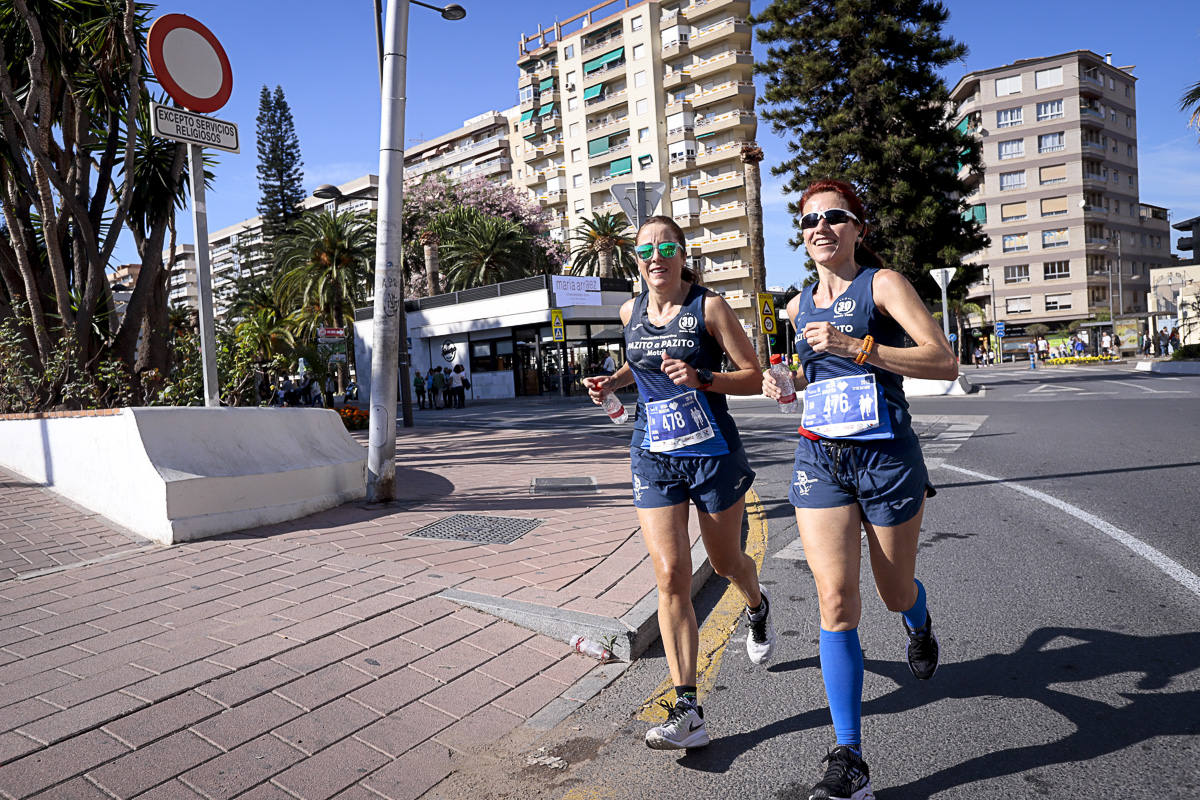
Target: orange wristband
point(867, 346)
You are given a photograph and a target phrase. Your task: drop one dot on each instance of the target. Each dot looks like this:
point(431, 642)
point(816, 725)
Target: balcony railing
point(601, 43)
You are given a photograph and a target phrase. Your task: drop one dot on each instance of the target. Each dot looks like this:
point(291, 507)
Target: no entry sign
point(190, 63)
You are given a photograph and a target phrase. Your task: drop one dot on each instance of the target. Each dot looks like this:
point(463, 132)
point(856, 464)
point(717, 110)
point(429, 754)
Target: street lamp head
point(454, 12)
point(327, 191)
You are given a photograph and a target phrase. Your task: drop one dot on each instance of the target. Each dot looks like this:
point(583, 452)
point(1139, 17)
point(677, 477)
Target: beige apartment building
point(1059, 193)
point(645, 91)
point(480, 148)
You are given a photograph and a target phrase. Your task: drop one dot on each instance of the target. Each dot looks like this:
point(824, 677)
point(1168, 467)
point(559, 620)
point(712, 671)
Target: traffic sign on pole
point(638, 200)
point(184, 126)
point(556, 325)
point(1000, 328)
point(766, 312)
point(190, 63)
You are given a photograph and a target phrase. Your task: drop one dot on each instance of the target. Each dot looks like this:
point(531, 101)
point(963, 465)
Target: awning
point(552, 126)
point(621, 166)
point(963, 124)
point(607, 58)
point(597, 146)
point(593, 91)
point(718, 191)
point(546, 109)
point(705, 135)
point(533, 135)
point(526, 116)
point(546, 85)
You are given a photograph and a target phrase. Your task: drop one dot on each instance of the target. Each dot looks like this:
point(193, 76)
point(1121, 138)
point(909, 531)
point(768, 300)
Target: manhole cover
point(561, 485)
point(477, 528)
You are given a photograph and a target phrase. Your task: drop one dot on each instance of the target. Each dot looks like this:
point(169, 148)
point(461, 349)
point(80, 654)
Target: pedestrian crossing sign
point(556, 325)
point(766, 312)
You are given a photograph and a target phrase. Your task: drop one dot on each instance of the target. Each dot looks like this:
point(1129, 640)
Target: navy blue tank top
point(686, 337)
point(854, 313)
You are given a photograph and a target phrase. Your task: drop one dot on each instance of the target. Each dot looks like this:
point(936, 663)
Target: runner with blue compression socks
point(858, 463)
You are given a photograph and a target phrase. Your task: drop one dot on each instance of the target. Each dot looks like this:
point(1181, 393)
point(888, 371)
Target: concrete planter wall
point(178, 474)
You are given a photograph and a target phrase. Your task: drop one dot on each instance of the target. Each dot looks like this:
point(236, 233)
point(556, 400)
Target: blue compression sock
point(915, 616)
point(842, 670)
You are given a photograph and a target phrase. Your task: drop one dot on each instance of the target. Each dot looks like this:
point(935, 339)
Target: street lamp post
point(389, 363)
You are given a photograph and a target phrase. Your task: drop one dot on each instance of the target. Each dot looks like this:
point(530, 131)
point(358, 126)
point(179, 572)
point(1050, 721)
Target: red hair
point(853, 204)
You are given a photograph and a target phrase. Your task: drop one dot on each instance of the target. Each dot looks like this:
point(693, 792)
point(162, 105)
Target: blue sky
point(323, 55)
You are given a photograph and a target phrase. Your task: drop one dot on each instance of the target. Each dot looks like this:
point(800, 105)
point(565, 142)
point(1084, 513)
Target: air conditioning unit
point(570, 87)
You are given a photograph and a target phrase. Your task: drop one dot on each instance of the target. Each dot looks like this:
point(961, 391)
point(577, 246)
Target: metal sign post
point(208, 340)
point(943, 277)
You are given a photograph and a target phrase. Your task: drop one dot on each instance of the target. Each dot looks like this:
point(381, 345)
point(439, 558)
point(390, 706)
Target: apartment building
point(645, 91)
point(479, 148)
point(183, 287)
point(1059, 193)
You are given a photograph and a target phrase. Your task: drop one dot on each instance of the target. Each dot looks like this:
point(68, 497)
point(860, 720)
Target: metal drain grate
point(562, 485)
point(477, 528)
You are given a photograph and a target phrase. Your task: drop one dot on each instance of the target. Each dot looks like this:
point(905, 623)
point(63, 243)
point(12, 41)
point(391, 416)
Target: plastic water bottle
point(614, 408)
point(584, 645)
point(783, 379)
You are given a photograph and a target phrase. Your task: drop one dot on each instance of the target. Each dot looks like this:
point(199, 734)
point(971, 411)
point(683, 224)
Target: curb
point(920, 387)
point(1169, 367)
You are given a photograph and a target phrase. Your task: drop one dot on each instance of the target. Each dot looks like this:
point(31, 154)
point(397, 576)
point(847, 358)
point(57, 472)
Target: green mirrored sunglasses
point(665, 249)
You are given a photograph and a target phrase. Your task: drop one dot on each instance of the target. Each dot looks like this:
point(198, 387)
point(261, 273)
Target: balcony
point(681, 163)
point(604, 73)
point(734, 210)
point(738, 299)
point(1095, 210)
point(1088, 112)
point(679, 134)
point(724, 91)
point(715, 155)
point(546, 150)
point(741, 121)
point(728, 241)
point(525, 79)
point(1094, 178)
point(728, 27)
point(687, 219)
point(1094, 147)
point(729, 180)
point(530, 126)
point(705, 9)
point(608, 125)
point(606, 102)
point(676, 47)
point(727, 272)
point(606, 42)
point(614, 150)
point(742, 61)
point(545, 71)
point(682, 192)
point(674, 78)
point(553, 197)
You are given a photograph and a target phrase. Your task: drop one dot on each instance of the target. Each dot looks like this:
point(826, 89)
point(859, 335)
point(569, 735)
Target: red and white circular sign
point(190, 63)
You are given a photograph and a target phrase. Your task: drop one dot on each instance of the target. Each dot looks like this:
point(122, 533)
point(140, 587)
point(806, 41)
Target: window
point(1008, 117)
point(1129, 150)
point(576, 181)
point(1009, 85)
point(1128, 120)
point(635, 24)
point(643, 134)
point(1045, 78)
point(569, 51)
point(1127, 90)
point(1051, 142)
point(645, 161)
point(578, 206)
point(1015, 243)
point(1012, 148)
point(1055, 238)
point(1016, 273)
point(1058, 302)
point(576, 154)
point(572, 103)
point(526, 94)
point(573, 130)
point(1131, 180)
point(642, 106)
point(1052, 109)
point(639, 51)
point(1018, 305)
point(1054, 206)
point(1056, 270)
point(1010, 212)
point(1053, 174)
point(639, 78)
point(1012, 180)
point(1111, 83)
point(570, 80)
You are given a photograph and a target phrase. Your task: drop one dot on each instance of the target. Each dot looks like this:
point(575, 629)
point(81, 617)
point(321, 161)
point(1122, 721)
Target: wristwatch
point(705, 377)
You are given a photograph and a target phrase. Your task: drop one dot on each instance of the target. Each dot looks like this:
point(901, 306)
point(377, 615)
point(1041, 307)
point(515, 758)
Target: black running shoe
point(846, 778)
point(922, 649)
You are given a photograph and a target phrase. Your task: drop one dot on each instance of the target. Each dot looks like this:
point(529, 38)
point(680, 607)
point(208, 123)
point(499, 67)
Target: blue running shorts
point(886, 477)
point(713, 483)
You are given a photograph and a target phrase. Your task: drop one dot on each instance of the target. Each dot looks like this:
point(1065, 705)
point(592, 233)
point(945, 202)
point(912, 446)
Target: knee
point(674, 581)
point(897, 598)
point(840, 610)
point(729, 566)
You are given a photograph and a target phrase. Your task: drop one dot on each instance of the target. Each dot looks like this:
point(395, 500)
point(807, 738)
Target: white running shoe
point(684, 728)
point(760, 638)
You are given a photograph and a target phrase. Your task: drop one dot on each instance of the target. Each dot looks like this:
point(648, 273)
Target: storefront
point(503, 337)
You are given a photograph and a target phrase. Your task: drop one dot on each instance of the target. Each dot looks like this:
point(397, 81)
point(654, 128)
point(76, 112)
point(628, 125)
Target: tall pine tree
point(853, 86)
point(279, 166)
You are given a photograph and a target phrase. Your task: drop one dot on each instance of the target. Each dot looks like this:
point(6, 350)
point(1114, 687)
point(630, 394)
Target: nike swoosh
point(695, 727)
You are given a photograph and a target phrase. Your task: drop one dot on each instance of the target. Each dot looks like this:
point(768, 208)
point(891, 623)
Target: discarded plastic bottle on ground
point(614, 408)
point(787, 387)
point(584, 645)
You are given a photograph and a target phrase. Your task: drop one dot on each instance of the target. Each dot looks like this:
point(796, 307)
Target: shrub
point(355, 419)
point(1187, 352)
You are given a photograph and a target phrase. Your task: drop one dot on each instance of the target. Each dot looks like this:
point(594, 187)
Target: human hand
point(680, 373)
point(597, 386)
point(769, 387)
point(824, 338)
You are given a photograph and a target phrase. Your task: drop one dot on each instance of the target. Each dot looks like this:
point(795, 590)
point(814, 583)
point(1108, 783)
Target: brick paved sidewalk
point(312, 659)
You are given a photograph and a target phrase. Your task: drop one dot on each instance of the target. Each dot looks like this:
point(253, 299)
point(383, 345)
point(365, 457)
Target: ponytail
point(864, 256)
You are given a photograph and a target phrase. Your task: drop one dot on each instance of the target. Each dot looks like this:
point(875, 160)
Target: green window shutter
point(621, 166)
point(546, 85)
point(528, 115)
point(706, 135)
point(533, 135)
point(597, 145)
point(600, 61)
point(979, 212)
point(593, 91)
point(546, 109)
point(614, 55)
point(550, 127)
point(961, 127)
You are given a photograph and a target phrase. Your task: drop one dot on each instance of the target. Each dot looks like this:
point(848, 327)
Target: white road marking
point(1134, 384)
point(1188, 579)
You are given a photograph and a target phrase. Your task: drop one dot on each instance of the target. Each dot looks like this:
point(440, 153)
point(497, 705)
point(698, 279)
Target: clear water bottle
point(614, 408)
point(584, 645)
point(783, 379)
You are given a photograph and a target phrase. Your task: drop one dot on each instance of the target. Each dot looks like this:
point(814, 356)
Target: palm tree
point(431, 243)
point(1191, 102)
point(477, 249)
point(751, 155)
point(604, 247)
point(325, 263)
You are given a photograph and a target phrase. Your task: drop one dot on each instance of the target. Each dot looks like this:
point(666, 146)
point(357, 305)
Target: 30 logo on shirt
point(687, 321)
point(844, 307)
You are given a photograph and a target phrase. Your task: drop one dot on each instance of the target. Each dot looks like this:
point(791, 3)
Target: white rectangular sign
point(575, 290)
point(170, 122)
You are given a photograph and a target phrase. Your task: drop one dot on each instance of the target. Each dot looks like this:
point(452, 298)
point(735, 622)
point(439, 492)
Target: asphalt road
point(1061, 565)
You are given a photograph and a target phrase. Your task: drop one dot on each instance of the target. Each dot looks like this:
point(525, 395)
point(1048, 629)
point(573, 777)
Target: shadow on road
point(1043, 670)
point(1075, 474)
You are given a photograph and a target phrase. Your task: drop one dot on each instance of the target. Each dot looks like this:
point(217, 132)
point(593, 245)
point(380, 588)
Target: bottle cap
point(776, 359)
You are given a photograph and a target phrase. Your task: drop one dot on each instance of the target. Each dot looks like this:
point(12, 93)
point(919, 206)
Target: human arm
point(723, 324)
point(932, 358)
point(769, 387)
